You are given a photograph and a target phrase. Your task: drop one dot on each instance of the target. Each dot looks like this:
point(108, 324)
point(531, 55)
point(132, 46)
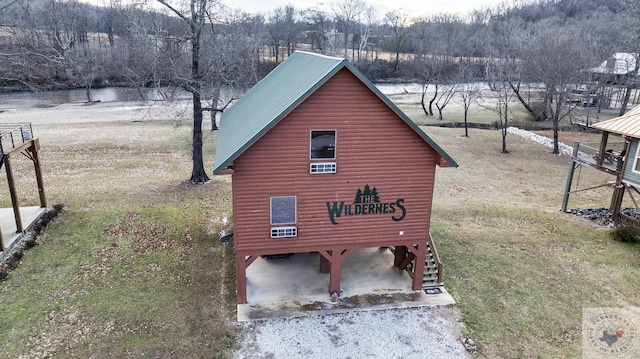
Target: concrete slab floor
point(10, 236)
point(294, 287)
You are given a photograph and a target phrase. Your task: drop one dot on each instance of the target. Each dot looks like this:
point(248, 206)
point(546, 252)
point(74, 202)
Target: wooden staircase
point(432, 276)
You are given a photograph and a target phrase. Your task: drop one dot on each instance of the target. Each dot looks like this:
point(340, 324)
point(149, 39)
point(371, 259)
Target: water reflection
point(30, 99)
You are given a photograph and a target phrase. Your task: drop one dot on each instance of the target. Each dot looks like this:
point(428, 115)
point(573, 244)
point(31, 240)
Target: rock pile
point(602, 216)
point(543, 140)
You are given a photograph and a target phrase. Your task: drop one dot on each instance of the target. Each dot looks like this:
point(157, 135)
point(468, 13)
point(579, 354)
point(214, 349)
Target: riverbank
point(99, 112)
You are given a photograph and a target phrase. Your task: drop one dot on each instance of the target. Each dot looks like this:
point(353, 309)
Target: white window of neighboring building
point(636, 163)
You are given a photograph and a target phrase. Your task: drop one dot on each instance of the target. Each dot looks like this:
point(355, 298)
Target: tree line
point(205, 46)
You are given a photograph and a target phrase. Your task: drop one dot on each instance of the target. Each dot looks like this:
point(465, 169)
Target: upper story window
point(323, 145)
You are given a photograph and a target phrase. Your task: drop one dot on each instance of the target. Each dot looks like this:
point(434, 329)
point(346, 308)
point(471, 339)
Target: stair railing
point(434, 251)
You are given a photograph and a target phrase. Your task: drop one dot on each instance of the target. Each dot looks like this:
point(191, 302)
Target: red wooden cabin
point(322, 161)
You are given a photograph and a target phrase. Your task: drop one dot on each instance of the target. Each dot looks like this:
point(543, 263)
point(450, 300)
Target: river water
point(30, 99)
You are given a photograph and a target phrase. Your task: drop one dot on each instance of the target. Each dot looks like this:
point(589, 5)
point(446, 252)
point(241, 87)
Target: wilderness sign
point(366, 202)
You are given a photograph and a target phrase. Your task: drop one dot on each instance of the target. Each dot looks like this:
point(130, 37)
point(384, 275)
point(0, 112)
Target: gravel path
point(395, 333)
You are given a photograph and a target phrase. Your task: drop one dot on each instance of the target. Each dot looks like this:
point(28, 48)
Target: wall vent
point(323, 167)
point(283, 232)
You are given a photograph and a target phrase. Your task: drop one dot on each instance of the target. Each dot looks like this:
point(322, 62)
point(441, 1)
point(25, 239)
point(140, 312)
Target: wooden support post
point(399, 255)
point(334, 276)
point(603, 148)
point(567, 189)
point(335, 257)
point(325, 265)
point(419, 253)
point(618, 193)
point(241, 279)
point(36, 164)
point(14, 195)
point(405, 262)
point(2, 247)
point(418, 266)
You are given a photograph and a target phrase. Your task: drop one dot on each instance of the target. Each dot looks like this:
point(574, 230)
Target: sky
point(415, 7)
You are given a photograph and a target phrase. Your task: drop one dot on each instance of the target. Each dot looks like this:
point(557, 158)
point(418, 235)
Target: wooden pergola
point(18, 139)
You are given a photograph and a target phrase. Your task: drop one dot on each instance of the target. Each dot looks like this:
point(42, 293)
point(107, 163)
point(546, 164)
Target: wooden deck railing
point(14, 135)
point(628, 221)
point(434, 251)
point(610, 161)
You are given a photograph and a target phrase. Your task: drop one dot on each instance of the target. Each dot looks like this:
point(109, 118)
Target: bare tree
point(347, 14)
point(444, 97)
point(469, 92)
point(398, 23)
point(318, 22)
point(277, 29)
point(632, 27)
point(366, 28)
point(195, 17)
point(230, 61)
point(500, 73)
point(559, 62)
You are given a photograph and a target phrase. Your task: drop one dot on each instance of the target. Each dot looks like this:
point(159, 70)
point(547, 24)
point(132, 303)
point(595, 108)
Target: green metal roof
point(277, 94)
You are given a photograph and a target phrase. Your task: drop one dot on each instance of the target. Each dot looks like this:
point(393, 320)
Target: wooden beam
point(14, 195)
point(399, 255)
point(21, 148)
point(39, 178)
point(241, 278)
point(603, 147)
point(418, 266)
point(2, 247)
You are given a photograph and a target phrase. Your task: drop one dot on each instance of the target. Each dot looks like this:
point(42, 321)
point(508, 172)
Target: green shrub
point(538, 111)
point(626, 234)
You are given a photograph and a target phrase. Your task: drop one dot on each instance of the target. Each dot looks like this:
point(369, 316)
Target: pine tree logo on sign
point(366, 202)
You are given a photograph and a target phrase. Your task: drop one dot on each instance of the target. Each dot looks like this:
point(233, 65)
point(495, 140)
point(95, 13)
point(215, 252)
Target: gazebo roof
point(626, 125)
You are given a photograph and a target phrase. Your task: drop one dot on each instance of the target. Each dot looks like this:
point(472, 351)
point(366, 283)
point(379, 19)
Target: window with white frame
point(283, 214)
point(636, 163)
point(322, 147)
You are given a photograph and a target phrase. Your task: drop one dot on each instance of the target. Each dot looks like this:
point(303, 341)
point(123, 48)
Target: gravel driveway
point(434, 332)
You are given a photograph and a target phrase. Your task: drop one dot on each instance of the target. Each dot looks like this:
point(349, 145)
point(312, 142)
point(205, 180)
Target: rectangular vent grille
point(283, 232)
point(323, 167)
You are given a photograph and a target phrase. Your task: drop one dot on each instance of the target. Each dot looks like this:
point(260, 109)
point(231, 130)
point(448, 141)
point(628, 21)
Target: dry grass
point(133, 267)
point(520, 270)
point(128, 268)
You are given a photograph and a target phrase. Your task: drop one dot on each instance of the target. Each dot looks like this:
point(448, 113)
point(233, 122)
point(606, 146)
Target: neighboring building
point(620, 64)
point(322, 161)
point(620, 158)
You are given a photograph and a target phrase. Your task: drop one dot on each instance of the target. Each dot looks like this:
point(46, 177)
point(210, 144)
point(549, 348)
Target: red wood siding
point(373, 147)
